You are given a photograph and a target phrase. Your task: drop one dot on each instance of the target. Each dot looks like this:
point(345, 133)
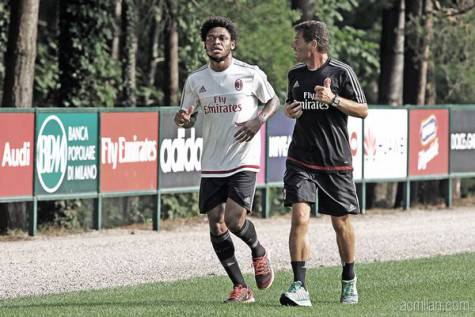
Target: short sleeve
point(188, 97)
point(262, 88)
point(290, 96)
point(350, 87)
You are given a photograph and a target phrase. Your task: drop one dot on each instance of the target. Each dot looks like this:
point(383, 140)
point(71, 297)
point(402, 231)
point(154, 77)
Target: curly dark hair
point(218, 21)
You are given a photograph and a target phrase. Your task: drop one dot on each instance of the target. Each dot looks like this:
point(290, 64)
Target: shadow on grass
point(157, 303)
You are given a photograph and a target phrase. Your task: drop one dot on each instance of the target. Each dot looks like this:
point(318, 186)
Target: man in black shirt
point(322, 93)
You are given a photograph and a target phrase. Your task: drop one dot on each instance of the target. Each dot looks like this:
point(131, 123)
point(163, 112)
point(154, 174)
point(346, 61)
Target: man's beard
point(218, 59)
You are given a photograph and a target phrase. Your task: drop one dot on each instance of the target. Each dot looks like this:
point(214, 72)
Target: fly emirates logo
point(127, 151)
point(220, 105)
point(310, 104)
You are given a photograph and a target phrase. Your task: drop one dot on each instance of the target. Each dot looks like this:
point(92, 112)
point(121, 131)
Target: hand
point(247, 129)
point(293, 110)
point(183, 117)
point(324, 93)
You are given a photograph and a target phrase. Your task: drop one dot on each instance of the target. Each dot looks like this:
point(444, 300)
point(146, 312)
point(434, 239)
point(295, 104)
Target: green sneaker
point(297, 295)
point(349, 294)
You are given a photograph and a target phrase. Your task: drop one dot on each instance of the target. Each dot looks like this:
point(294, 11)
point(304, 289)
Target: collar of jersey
point(321, 67)
point(221, 72)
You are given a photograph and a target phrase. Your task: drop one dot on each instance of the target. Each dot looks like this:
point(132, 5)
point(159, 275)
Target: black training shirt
point(320, 137)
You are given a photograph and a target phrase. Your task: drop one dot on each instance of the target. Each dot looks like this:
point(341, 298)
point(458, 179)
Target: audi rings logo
point(181, 154)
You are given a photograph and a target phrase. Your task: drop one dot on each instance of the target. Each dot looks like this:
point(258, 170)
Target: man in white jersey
point(228, 92)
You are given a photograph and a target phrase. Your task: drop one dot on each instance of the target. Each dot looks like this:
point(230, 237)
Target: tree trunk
point(18, 84)
point(430, 193)
point(153, 52)
point(411, 57)
point(129, 53)
point(392, 55)
point(305, 7)
point(129, 74)
point(115, 51)
point(397, 71)
point(171, 55)
point(390, 87)
point(21, 54)
point(424, 64)
point(419, 90)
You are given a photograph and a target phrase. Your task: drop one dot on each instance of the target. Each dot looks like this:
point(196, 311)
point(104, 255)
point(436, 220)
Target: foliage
point(277, 201)
point(452, 51)
point(4, 18)
point(127, 210)
point(353, 47)
point(87, 73)
point(264, 37)
point(191, 52)
point(129, 52)
point(356, 47)
point(467, 187)
point(179, 205)
point(73, 214)
point(46, 83)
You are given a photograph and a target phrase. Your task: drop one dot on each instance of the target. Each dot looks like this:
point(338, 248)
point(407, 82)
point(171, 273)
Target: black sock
point(224, 248)
point(249, 236)
point(299, 269)
point(348, 274)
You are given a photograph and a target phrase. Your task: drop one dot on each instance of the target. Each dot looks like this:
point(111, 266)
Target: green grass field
point(440, 285)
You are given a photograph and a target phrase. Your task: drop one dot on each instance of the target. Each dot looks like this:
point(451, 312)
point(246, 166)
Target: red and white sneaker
point(263, 271)
point(240, 294)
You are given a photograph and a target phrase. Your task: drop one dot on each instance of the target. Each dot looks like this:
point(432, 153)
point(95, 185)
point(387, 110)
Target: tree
point(448, 64)
point(21, 54)
point(87, 73)
point(453, 48)
point(412, 53)
point(392, 55)
point(115, 50)
point(46, 87)
point(129, 52)
point(4, 18)
point(306, 8)
point(153, 49)
point(171, 54)
point(390, 85)
point(19, 75)
point(351, 40)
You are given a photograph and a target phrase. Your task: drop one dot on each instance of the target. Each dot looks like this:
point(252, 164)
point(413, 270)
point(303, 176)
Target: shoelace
point(236, 292)
point(294, 287)
point(261, 267)
point(348, 289)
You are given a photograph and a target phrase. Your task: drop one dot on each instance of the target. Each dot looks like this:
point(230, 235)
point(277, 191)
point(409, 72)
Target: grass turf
point(440, 285)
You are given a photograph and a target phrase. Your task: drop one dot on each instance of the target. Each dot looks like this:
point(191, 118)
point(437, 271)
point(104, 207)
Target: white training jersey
point(226, 98)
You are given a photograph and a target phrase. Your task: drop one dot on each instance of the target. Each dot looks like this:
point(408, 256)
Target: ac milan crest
point(238, 84)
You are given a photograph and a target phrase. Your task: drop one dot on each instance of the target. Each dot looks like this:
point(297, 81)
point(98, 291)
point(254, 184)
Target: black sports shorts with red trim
point(336, 191)
point(239, 187)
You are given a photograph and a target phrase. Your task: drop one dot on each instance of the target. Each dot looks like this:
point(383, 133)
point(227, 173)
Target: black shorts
point(239, 187)
point(336, 191)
